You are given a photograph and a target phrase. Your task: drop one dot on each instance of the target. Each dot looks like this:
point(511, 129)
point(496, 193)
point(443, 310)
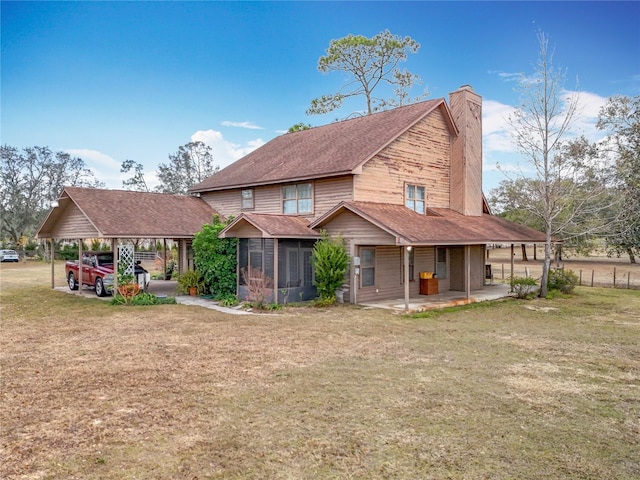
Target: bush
point(143, 299)
point(525, 287)
point(562, 280)
point(331, 261)
point(228, 300)
point(215, 258)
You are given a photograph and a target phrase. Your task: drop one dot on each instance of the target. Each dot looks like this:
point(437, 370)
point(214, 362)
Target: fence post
point(503, 271)
point(628, 280)
point(614, 277)
point(592, 273)
point(580, 283)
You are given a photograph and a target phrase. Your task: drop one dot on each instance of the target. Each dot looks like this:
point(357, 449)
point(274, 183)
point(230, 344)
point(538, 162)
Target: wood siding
point(268, 198)
point(358, 230)
point(466, 162)
point(74, 224)
point(421, 156)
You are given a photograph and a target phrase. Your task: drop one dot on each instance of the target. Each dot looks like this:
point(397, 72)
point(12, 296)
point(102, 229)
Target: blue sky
point(109, 81)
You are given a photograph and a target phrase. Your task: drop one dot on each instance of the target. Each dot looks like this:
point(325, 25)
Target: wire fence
point(603, 276)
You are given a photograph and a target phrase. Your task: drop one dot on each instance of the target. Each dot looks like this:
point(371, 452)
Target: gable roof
point(331, 150)
point(272, 226)
point(441, 226)
point(104, 213)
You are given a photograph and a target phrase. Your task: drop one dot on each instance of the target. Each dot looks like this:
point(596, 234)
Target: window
point(247, 199)
point(441, 262)
point(414, 198)
point(299, 267)
point(297, 198)
point(368, 266)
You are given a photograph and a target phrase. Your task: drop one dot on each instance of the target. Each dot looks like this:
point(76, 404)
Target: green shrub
point(331, 261)
point(143, 299)
point(525, 287)
point(562, 280)
point(68, 252)
point(215, 258)
point(228, 300)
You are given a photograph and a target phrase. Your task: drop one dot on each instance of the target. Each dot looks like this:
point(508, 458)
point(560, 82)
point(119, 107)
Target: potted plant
point(190, 282)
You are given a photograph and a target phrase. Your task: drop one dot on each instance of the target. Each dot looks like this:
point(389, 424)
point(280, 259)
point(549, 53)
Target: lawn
point(510, 390)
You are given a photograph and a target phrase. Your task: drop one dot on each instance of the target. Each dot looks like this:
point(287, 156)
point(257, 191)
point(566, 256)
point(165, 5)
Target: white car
point(9, 256)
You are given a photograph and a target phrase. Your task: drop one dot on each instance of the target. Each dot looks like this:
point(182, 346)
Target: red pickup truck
point(97, 272)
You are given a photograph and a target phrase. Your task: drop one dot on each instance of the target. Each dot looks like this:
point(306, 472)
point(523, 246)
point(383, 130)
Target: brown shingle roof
point(273, 226)
point(128, 214)
point(441, 226)
point(335, 149)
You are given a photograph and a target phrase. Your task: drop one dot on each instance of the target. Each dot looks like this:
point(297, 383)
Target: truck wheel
point(100, 291)
point(71, 280)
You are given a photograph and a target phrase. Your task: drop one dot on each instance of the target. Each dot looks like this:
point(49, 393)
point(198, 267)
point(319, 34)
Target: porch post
point(511, 282)
point(406, 249)
point(53, 261)
point(80, 266)
point(116, 262)
point(467, 270)
point(275, 271)
point(164, 257)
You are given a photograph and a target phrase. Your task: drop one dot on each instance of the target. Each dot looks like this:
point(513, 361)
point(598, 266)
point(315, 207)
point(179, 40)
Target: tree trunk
point(632, 258)
point(524, 252)
point(547, 264)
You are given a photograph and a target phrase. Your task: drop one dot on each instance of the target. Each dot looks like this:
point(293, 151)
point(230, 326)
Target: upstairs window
point(247, 199)
point(297, 199)
point(414, 198)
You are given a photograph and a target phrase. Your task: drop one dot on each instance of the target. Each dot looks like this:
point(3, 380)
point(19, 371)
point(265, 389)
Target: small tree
point(331, 261)
point(215, 258)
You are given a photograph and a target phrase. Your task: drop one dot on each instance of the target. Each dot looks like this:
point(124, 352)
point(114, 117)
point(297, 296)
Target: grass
point(514, 389)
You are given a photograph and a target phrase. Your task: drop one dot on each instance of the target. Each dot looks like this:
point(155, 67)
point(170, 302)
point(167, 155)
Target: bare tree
point(540, 125)
point(32, 178)
point(191, 164)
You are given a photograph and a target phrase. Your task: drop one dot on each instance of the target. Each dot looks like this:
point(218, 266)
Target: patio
point(443, 300)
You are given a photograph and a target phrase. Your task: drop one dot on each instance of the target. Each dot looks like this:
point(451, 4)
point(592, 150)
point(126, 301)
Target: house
point(402, 187)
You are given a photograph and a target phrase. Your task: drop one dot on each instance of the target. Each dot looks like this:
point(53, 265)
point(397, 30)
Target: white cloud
point(105, 168)
point(249, 125)
point(225, 152)
point(496, 129)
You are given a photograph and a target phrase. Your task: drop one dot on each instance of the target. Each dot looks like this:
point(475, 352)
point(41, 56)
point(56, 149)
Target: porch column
point(467, 270)
point(275, 271)
point(116, 264)
point(53, 261)
point(184, 265)
point(164, 257)
point(511, 281)
point(406, 277)
point(353, 292)
point(80, 266)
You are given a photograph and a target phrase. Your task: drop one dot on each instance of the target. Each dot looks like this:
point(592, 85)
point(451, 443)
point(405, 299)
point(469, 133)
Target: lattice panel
point(126, 259)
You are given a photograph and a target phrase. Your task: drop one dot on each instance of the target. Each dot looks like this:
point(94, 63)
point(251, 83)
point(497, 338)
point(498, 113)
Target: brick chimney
point(466, 152)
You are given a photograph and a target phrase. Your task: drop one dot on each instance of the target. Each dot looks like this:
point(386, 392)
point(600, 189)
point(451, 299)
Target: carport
point(122, 215)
